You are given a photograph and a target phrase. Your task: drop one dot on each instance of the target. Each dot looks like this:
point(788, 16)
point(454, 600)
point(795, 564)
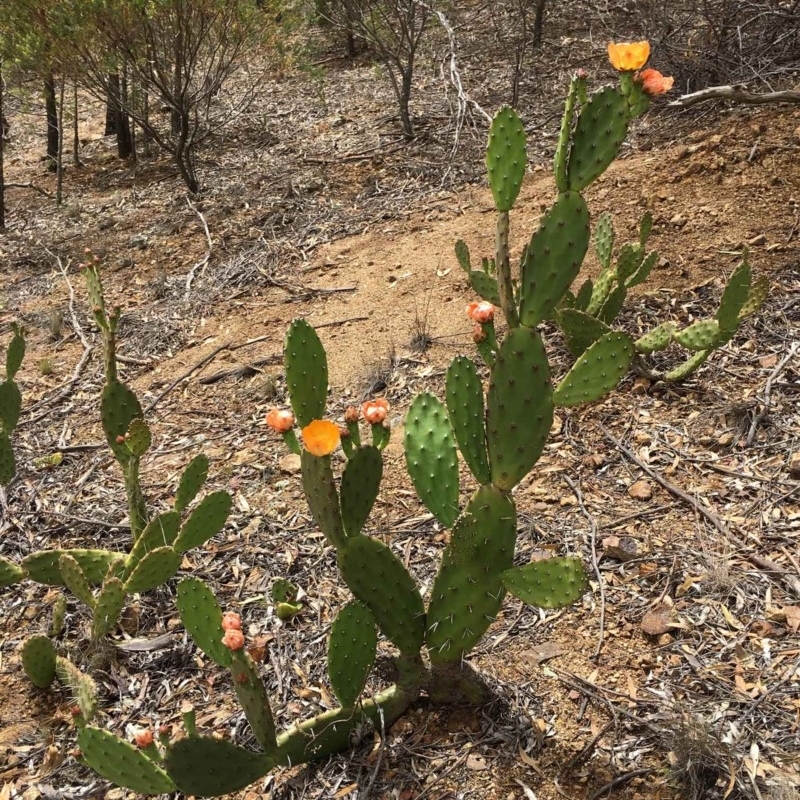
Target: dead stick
point(763, 563)
point(593, 541)
point(739, 93)
point(241, 371)
point(204, 260)
point(751, 434)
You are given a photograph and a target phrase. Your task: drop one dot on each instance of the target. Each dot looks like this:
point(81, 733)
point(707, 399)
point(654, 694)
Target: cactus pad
point(157, 567)
point(161, 531)
point(15, 353)
point(601, 129)
point(377, 577)
point(10, 573)
point(657, 339)
point(351, 651)
point(192, 480)
point(108, 606)
point(733, 299)
point(206, 767)
point(10, 405)
point(683, 371)
point(306, 372)
point(519, 407)
point(361, 480)
point(75, 580)
point(506, 157)
point(8, 464)
point(39, 660)
point(319, 488)
point(468, 591)
point(581, 330)
point(485, 286)
point(118, 408)
point(604, 238)
point(644, 270)
point(702, 335)
point(202, 618)
point(254, 700)
point(551, 583)
point(121, 763)
point(83, 688)
point(596, 372)
point(42, 567)
point(756, 297)
point(553, 257)
point(207, 520)
point(138, 437)
point(431, 457)
point(464, 397)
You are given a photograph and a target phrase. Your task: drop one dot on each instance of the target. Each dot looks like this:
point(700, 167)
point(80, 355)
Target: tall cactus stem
point(562, 148)
point(503, 265)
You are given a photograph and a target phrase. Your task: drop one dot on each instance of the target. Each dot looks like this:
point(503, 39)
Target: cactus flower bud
point(231, 621)
point(321, 437)
point(628, 56)
point(75, 711)
point(480, 311)
point(375, 411)
point(344, 432)
point(241, 678)
point(144, 738)
point(233, 639)
point(478, 333)
point(582, 74)
point(653, 82)
point(351, 415)
point(165, 730)
point(120, 439)
point(280, 420)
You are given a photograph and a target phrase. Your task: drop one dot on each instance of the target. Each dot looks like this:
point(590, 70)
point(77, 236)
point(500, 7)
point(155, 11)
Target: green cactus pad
point(506, 157)
point(39, 660)
point(157, 567)
point(584, 296)
point(645, 268)
point(206, 767)
point(108, 606)
point(564, 134)
point(485, 286)
point(283, 591)
point(75, 580)
point(161, 531)
point(83, 688)
point(603, 286)
point(207, 520)
point(202, 618)
point(604, 239)
point(377, 577)
point(10, 573)
point(58, 611)
point(683, 371)
point(254, 700)
point(138, 438)
point(121, 763)
point(319, 488)
point(581, 330)
point(464, 398)
point(601, 129)
point(351, 651)
point(553, 257)
point(551, 583)
point(702, 335)
point(519, 407)
point(15, 353)
point(431, 456)
point(306, 372)
point(596, 372)
point(462, 255)
point(645, 226)
point(755, 299)
point(8, 464)
point(118, 408)
point(733, 300)
point(657, 339)
point(468, 592)
point(42, 567)
point(191, 482)
point(361, 480)
point(10, 405)
point(613, 304)
point(628, 261)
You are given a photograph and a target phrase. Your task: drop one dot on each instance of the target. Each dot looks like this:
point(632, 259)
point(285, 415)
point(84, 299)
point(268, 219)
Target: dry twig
point(764, 410)
point(204, 260)
point(739, 93)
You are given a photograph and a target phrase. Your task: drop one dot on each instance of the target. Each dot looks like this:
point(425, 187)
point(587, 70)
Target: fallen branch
point(242, 371)
point(204, 260)
point(739, 93)
point(28, 186)
point(763, 563)
point(758, 418)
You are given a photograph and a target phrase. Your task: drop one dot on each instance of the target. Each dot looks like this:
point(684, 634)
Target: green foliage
point(10, 406)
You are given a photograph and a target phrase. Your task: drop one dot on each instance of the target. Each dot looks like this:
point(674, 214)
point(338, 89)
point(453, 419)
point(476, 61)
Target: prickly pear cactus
point(10, 405)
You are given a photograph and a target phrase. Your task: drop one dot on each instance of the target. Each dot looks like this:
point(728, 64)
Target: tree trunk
point(177, 83)
point(112, 92)
point(76, 143)
point(126, 143)
point(405, 99)
point(538, 22)
point(51, 112)
point(2, 144)
point(60, 153)
point(118, 122)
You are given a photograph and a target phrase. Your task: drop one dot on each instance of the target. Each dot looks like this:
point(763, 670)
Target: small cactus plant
point(10, 408)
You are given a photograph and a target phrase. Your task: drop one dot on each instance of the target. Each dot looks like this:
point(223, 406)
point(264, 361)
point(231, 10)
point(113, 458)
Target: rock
point(290, 464)
point(793, 464)
point(623, 548)
point(640, 490)
point(656, 621)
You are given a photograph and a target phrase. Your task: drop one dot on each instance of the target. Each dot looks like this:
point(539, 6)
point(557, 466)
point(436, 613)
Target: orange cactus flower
point(375, 411)
point(144, 738)
point(321, 437)
point(231, 621)
point(654, 83)
point(280, 420)
point(482, 311)
point(628, 56)
point(233, 639)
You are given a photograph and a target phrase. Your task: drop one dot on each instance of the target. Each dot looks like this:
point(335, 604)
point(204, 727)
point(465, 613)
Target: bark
point(51, 112)
point(3, 126)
